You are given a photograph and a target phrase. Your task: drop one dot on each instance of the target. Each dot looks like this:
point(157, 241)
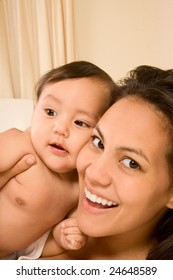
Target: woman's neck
point(114, 248)
point(108, 248)
point(130, 245)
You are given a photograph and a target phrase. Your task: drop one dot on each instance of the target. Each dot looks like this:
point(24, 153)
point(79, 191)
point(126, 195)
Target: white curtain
point(35, 36)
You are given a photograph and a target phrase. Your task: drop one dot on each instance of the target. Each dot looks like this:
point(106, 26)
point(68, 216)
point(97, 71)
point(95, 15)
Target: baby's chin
point(61, 168)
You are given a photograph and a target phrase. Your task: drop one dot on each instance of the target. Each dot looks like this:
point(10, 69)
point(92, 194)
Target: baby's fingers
point(70, 222)
point(75, 242)
point(71, 230)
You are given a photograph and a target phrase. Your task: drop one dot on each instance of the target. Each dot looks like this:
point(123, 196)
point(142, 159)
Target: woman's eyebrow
point(138, 152)
point(134, 150)
point(99, 131)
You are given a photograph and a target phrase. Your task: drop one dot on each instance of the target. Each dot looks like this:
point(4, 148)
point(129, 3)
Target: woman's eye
point(130, 163)
point(97, 142)
point(50, 112)
point(81, 123)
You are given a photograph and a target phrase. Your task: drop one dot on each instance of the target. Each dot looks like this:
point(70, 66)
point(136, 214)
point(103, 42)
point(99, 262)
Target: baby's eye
point(130, 163)
point(97, 142)
point(81, 123)
point(50, 112)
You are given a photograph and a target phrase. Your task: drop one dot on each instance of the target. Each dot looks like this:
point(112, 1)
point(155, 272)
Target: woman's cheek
point(82, 159)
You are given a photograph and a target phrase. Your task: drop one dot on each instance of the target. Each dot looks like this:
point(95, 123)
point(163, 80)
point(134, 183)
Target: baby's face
point(63, 120)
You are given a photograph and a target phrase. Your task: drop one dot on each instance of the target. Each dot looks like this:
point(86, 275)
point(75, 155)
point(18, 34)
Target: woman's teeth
point(94, 198)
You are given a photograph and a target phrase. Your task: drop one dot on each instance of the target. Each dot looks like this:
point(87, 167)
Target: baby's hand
point(68, 235)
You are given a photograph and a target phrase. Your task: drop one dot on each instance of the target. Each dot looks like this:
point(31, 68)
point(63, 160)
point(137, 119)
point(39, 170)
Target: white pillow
point(15, 113)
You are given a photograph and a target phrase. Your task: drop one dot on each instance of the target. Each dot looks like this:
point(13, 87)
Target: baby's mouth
point(99, 202)
point(57, 146)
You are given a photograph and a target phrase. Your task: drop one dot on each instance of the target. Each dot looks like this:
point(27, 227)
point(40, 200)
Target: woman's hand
point(23, 164)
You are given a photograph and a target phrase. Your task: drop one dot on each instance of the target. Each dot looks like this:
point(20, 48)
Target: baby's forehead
point(75, 108)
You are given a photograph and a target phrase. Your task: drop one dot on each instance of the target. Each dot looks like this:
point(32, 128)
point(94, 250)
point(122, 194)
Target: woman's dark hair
point(163, 250)
point(155, 86)
point(76, 70)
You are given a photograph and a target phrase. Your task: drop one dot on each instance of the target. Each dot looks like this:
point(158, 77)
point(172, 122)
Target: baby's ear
point(35, 102)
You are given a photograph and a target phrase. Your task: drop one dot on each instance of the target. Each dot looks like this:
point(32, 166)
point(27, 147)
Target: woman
point(125, 170)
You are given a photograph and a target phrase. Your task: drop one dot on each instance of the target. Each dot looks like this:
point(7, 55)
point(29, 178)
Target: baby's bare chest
point(41, 193)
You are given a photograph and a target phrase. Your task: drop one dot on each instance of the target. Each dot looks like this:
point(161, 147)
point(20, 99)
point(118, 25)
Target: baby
point(70, 101)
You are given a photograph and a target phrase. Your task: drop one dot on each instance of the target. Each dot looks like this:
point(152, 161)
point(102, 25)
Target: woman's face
point(124, 179)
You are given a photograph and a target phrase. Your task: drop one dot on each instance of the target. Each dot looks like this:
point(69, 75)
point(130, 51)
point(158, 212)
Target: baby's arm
point(64, 236)
point(13, 145)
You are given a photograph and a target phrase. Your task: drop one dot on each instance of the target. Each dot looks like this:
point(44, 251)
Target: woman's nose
point(98, 174)
point(61, 128)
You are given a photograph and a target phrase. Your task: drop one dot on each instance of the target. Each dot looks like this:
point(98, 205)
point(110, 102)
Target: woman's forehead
point(134, 116)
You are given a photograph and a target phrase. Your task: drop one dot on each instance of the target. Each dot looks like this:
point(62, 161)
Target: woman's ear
point(170, 201)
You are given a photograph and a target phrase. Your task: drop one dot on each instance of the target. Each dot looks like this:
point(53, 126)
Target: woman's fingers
point(23, 164)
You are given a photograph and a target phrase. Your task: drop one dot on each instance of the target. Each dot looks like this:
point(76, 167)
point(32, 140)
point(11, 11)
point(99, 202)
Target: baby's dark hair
point(76, 70)
point(155, 86)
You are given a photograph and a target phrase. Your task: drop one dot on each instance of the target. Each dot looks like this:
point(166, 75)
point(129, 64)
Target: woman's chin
point(89, 226)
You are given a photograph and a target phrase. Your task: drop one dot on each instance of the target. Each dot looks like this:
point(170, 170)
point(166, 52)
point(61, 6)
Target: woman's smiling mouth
point(98, 201)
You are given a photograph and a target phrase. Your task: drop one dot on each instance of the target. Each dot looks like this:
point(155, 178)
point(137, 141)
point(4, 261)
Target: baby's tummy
point(20, 216)
point(26, 194)
point(15, 193)
point(33, 196)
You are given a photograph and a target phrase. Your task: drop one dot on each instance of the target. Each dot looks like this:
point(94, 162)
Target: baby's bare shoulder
point(13, 133)
point(10, 132)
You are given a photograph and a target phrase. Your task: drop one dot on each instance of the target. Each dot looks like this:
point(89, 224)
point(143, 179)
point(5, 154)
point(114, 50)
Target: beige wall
point(119, 35)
